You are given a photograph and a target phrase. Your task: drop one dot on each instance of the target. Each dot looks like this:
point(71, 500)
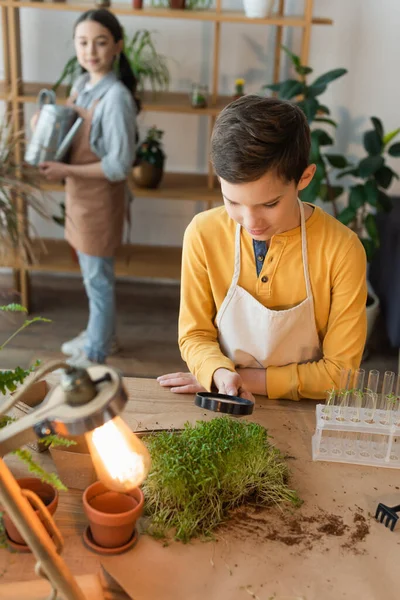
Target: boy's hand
point(181, 383)
point(230, 383)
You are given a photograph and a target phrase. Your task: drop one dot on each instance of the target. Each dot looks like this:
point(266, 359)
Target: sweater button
point(264, 279)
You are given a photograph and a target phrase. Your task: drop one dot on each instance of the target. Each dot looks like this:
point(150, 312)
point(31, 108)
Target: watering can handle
point(46, 97)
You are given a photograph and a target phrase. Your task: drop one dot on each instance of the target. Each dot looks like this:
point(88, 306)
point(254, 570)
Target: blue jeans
point(99, 280)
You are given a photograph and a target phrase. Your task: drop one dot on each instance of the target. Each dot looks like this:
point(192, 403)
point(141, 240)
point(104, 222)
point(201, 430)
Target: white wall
point(363, 39)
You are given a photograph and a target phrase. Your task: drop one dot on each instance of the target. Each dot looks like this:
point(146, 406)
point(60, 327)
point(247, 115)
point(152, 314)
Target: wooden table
point(313, 554)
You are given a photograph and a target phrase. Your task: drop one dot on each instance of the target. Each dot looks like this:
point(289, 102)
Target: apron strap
point(304, 249)
point(236, 271)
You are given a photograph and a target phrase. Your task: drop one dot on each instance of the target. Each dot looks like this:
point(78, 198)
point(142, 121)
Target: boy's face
point(267, 206)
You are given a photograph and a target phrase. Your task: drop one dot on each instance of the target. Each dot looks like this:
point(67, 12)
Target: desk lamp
point(85, 402)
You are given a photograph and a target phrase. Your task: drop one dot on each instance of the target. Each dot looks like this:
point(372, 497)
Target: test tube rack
point(358, 436)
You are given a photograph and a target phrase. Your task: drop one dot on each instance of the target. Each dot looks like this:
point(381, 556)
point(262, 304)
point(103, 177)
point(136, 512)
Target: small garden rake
point(387, 515)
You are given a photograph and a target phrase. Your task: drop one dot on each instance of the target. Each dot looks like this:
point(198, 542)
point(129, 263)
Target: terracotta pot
point(112, 515)
point(137, 4)
point(47, 494)
point(177, 4)
point(146, 175)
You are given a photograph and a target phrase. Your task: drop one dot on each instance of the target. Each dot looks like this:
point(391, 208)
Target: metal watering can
point(54, 132)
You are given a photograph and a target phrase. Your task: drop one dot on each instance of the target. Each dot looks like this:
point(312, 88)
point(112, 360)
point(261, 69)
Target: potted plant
point(47, 494)
point(17, 181)
point(46, 484)
point(147, 64)
point(112, 518)
point(200, 473)
point(199, 96)
point(149, 166)
point(365, 198)
point(239, 88)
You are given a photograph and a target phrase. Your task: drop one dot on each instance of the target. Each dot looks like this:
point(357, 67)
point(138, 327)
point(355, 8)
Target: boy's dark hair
point(253, 135)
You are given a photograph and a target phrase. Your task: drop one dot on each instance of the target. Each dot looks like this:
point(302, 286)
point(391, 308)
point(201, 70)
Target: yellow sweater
point(337, 266)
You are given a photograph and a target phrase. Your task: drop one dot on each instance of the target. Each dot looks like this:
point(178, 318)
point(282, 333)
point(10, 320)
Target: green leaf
point(377, 123)
point(323, 138)
point(384, 203)
point(353, 171)
point(384, 176)
point(394, 150)
point(357, 197)
point(287, 89)
point(329, 77)
point(372, 230)
point(347, 215)
point(369, 247)
point(372, 193)
point(372, 142)
point(303, 70)
point(368, 166)
point(390, 136)
point(13, 308)
point(309, 106)
point(324, 109)
point(293, 57)
point(328, 194)
point(316, 90)
point(337, 160)
point(324, 120)
point(315, 153)
point(312, 192)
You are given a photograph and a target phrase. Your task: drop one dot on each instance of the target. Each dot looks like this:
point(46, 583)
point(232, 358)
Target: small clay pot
point(146, 175)
point(112, 515)
point(177, 4)
point(49, 497)
point(137, 4)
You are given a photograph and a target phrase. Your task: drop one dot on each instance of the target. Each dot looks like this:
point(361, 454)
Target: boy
point(273, 291)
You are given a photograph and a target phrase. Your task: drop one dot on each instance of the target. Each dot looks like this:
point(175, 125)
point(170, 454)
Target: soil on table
point(298, 528)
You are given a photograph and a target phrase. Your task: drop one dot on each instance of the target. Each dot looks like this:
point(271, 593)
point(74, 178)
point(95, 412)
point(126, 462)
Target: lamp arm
point(25, 430)
point(39, 374)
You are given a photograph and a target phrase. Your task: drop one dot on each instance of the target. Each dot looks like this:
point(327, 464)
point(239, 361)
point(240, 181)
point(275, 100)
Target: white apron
point(255, 336)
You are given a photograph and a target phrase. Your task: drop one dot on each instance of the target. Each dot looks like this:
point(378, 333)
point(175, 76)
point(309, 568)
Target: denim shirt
point(260, 252)
point(113, 131)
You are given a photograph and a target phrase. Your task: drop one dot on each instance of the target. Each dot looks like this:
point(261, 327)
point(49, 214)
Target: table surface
point(322, 551)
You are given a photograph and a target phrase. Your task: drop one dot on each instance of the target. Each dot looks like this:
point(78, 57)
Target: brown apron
point(95, 208)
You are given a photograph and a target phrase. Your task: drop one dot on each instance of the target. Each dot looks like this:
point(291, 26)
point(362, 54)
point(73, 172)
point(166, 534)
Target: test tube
point(330, 402)
point(387, 388)
point(357, 395)
point(371, 396)
point(344, 393)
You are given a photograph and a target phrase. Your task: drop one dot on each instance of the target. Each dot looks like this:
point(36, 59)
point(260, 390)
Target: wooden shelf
point(174, 186)
point(167, 13)
point(160, 262)
point(171, 102)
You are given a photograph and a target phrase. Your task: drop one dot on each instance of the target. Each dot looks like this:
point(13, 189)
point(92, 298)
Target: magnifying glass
point(222, 403)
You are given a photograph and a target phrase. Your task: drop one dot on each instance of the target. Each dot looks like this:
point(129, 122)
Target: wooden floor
point(146, 323)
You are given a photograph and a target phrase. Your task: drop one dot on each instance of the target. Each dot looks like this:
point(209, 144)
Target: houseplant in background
point(147, 64)
point(150, 158)
point(364, 199)
point(17, 180)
